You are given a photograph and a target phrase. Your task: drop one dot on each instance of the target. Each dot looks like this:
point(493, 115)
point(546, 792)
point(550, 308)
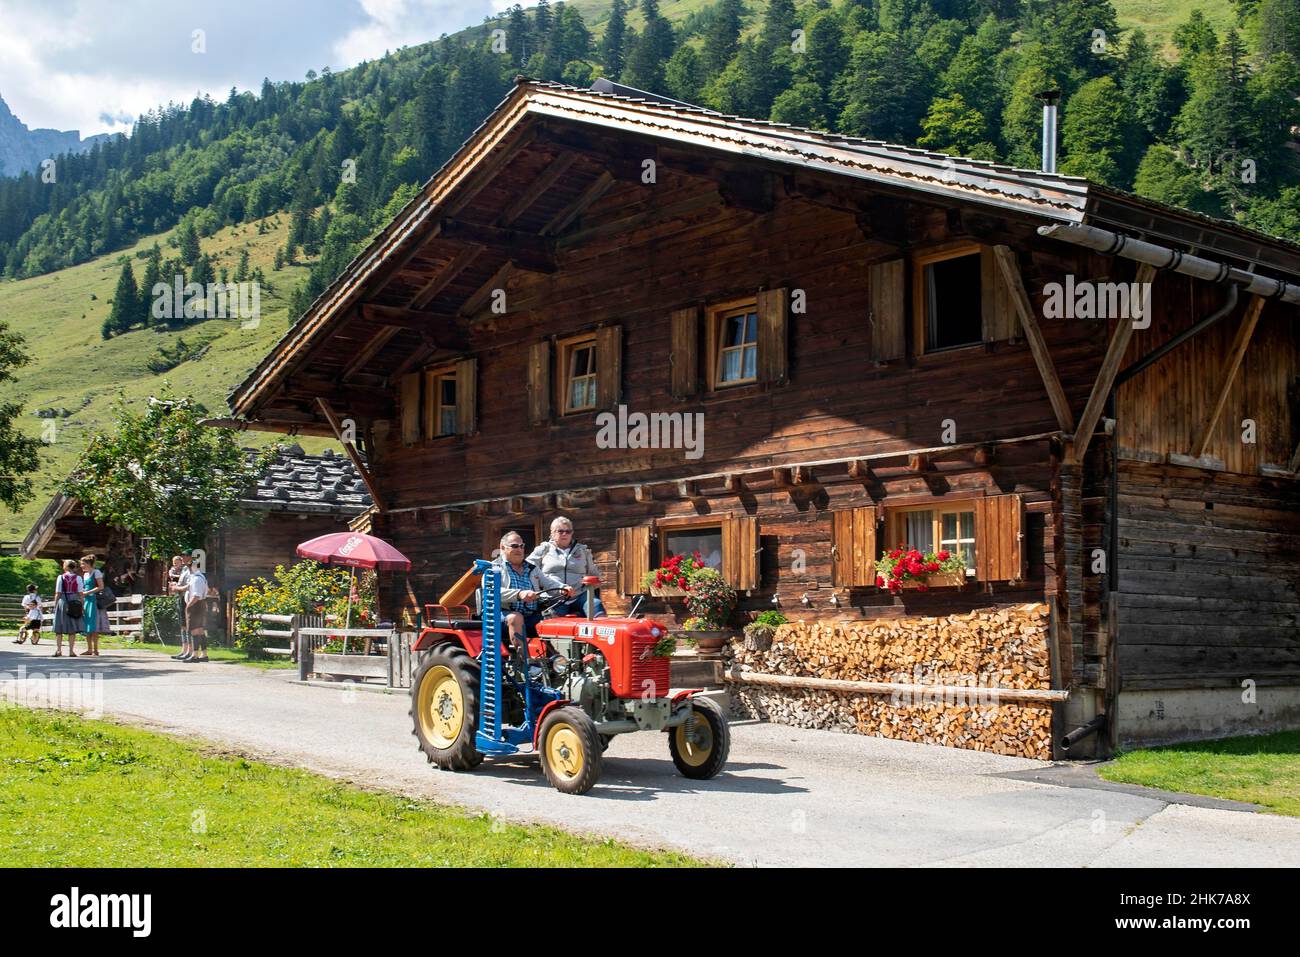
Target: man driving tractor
point(521, 585)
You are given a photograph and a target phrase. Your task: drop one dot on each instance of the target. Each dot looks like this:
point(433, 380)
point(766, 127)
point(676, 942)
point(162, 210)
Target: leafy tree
point(1162, 176)
point(883, 89)
point(779, 23)
point(952, 126)
point(684, 76)
point(801, 105)
point(189, 243)
point(1195, 37)
point(1152, 87)
point(19, 453)
point(163, 476)
point(653, 48)
point(1098, 134)
point(126, 303)
point(721, 36)
point(613, 43)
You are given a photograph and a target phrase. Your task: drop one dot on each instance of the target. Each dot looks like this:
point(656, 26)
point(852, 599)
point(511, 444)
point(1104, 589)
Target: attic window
point(949, 298)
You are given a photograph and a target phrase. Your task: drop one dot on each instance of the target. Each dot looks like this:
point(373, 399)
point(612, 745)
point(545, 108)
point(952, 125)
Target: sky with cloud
point(94, 65)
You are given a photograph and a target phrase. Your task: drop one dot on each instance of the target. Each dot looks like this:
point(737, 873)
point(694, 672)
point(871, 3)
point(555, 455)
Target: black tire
point(440, 747)
point(695, 757)
point(571, 730)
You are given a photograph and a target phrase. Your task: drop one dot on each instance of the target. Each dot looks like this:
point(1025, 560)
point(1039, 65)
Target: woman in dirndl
point(94, 621)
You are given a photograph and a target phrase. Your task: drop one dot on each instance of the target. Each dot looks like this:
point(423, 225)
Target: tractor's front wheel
point(700, 745)
point(444, 709)
point(571, 751)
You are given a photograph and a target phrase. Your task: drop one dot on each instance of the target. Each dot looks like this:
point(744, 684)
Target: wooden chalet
point(299, 497)
point(864, 329)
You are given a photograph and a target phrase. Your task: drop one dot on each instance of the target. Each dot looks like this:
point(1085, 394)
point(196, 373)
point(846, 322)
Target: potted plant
point(906, 567)
point(710, 601)
point(759, 632)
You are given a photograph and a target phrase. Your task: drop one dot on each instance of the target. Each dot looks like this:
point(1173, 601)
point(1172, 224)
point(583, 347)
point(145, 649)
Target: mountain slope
point(23, 149)
point(73, 368)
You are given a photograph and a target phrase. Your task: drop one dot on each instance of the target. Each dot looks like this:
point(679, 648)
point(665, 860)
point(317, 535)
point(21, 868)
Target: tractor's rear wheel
point(444, 709)
point(570, 749)
point(700, 745)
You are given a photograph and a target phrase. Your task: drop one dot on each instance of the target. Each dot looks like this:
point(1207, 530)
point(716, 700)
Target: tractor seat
point(467, 624)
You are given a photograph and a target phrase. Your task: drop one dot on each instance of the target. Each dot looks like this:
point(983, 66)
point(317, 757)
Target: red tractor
point(579, 683)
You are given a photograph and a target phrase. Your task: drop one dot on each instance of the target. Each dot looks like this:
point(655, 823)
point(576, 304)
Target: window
point(949, 297)
point(578, 360)
point(440, 403)
point(688, 541)
point(950, 527)
point(528, 527)
point(733, 332)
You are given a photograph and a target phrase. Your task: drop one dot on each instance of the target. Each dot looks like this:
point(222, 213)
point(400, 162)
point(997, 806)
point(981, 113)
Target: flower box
point(935, 580)
point(667, 591)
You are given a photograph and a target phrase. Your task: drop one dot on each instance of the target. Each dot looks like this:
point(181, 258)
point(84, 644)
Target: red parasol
point(354, 550)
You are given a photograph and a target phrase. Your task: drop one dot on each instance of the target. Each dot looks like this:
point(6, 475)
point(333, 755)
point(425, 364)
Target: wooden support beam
point(804, 475)
point(1240, 343)
point(733, 484)
point(528, 251)
point(478, 300)
point(537, 188)
point(984, 455)
point(565, 217)
point(357, 462)
point(444, 276)
point(688, 490)
point(918, 463)
point(318, 428)
point(781, 478)
point(860, 470)
point(517, 505)
point(1006, 260)
point(643, 493)
point(369, 351)
point(1106, 376)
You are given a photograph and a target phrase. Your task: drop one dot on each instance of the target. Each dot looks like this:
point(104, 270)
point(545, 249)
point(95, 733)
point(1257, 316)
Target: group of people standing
point(82, 598)
point(81, 601)
point(186, 580)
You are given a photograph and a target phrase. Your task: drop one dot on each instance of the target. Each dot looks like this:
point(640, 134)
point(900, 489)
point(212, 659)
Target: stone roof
point(297, 482)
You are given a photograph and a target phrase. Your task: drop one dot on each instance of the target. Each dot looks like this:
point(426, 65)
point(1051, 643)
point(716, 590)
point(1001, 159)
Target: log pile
point(1001, 647)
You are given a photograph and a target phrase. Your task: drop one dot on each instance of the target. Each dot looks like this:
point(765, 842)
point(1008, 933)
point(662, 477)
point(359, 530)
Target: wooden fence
point(126, 617)
point(366, 654)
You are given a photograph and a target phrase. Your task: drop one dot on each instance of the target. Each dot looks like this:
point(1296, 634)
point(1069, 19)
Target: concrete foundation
point(1164, 717)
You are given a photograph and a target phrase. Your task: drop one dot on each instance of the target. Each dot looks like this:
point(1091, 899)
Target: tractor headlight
point(655, 632)
point(560, 665)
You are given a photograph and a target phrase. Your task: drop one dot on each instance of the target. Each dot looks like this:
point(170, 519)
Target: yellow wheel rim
point(694, 739)
point(564, 751)
point(442, 707)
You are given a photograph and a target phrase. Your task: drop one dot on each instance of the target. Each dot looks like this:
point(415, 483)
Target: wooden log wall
point(1209, 578)
point(837, 402)
point(1002, 646)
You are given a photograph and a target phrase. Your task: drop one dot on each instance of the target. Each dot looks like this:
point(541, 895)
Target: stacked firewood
point(954, 662)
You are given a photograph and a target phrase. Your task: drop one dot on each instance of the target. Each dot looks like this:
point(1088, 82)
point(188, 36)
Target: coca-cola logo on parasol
point(349, 545)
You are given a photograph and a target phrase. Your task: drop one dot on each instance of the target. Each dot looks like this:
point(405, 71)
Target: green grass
point(74, 368)
point(1262, 769)
point(1159, 18)
point(79, 793)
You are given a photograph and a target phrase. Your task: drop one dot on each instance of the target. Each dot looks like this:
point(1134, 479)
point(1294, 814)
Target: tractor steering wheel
point(548, 598)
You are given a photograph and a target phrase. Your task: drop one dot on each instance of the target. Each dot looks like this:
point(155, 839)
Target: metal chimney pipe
point(1049, 98)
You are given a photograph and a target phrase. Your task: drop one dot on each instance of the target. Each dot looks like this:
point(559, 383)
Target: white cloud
point(392, 24)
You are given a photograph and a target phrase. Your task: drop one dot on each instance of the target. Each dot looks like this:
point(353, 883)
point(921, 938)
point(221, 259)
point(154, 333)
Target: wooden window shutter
point(996, 304)
point(633, 558)
point(999, 538)
point(740, 551)
point(887, 299)
point(539, 382)
point(684, 360)
point(773, 337)
point(853, 547)
point(410, 398)
point(467, 396)
point(609, 366)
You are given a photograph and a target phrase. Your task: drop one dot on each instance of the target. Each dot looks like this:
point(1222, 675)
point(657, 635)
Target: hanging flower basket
point(906, 567)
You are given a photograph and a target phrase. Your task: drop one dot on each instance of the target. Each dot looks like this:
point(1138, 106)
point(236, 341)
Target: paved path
point(788, 797)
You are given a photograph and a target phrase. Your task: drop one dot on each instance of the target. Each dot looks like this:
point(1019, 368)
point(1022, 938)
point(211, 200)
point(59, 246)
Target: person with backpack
point(98, 599)
point(68, 609)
